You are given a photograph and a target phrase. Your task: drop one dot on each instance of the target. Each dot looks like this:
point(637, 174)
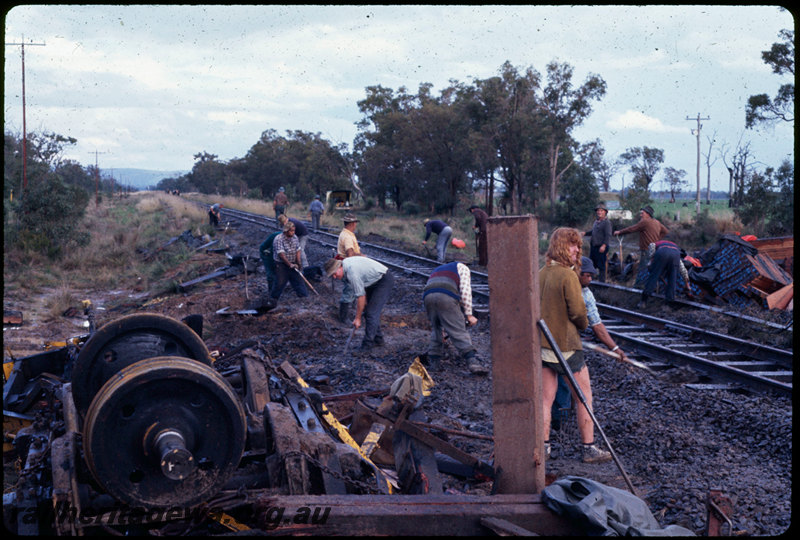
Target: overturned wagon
point(136, 429)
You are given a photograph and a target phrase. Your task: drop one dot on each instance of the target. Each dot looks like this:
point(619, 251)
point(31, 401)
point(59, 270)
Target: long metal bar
point(568, 374)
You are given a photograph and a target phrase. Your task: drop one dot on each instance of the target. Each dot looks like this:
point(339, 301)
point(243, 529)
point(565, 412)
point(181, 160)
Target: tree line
point(509, 135)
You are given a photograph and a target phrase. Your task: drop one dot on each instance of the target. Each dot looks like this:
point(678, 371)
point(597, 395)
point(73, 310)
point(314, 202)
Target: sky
point(150, 86)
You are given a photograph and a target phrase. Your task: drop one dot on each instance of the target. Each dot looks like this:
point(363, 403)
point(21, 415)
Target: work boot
point(344, 308)
point(366, 345)
point(642, 303)
point(593, 454)
point(379, 340)
point(474, 364)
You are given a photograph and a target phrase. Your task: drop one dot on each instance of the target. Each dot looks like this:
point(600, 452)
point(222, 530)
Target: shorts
point(575, 362)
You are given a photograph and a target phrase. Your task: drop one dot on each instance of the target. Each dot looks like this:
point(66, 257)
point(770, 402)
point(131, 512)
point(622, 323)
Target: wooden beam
point(406, 515)
point(516, 357)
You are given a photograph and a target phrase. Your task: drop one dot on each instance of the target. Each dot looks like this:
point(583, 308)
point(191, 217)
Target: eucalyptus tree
point(761, 109)
point(565, 108)
point(644, 163)
point(505, 112)
point(384, 169)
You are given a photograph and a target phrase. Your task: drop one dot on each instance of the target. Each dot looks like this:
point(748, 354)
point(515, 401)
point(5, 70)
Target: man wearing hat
point(601, 235)
point(286, 252)
point(370, 284)
point(213, 214)
point(481, 239)
point(316, 210)
point(347, 247)
point(650, 231)
point(280, 202)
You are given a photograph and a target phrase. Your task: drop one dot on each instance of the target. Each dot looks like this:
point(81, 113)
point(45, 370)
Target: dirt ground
point(672, 454)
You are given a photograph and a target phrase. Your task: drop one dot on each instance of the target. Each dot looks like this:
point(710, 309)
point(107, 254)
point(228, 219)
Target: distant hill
point(140, 178)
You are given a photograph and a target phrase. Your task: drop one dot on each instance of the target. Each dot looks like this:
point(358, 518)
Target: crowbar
point(307, 282)
point(571, 378)
point(606, 352)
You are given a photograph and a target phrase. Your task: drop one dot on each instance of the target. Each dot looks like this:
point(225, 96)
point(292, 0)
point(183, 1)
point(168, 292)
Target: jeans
point(441, 243)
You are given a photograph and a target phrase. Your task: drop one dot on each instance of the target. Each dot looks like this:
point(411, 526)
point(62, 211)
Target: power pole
point(22, 44)
point(697, 133)
point(96, 178)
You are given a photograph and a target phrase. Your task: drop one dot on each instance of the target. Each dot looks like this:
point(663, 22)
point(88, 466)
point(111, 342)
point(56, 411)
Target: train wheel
point(164, 432)
point(125, 341)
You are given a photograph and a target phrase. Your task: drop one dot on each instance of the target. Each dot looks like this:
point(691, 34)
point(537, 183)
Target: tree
point(602, 168)
point(676, 179)
point(580, 195)
point(761, 109)
point(565, 108)
point(644, 163)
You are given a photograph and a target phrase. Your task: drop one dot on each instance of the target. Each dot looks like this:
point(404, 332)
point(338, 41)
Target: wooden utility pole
point(24, 127)
point(97, 178)
point(697, 133)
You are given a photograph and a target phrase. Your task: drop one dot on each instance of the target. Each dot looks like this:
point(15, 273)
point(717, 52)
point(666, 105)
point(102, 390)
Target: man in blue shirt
point(370, 283)
point(316, 210)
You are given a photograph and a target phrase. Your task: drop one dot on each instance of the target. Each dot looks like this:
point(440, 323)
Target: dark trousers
point(483, 249)
point(599, 261)
point(283, 274)
point(665, 264)
point(377, 296)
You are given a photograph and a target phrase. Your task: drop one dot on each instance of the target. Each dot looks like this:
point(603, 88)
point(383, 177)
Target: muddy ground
point(674, 443)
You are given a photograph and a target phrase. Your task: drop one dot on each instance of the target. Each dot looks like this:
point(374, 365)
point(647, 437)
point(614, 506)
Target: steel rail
point(735, 361)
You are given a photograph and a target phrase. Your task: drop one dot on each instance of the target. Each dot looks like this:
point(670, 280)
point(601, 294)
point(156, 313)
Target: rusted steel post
point(516, 366)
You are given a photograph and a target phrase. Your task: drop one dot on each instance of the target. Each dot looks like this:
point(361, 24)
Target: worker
point(601, 235)
point(348, 243)
point(370, 283)
point(443, 234)
point(650, 230)
point(563, 401)
point(448, 302)
point(280, 202)
point(214, 214)
point(286, 253)
point(316, 209)
point(265, 252)
point(564, 311)
point(481, 222)
point(301, 232)
point(664, 261)
point(347, 246)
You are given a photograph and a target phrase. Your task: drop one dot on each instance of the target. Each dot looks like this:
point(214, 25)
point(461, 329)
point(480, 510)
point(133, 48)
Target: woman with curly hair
point(564, 312)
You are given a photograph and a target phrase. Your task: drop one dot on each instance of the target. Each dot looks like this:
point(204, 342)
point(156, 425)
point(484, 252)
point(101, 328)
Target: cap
point(316, 196)
point(648, 209)
point(600, 206)
point(587, 267)
point(281, 189)
point(350, 218)
point(331, 266)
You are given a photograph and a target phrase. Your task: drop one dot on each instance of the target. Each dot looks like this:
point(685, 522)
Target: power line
point(22, 44)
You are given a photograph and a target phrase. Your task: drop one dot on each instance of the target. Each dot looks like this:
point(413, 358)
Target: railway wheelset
point(161, 426)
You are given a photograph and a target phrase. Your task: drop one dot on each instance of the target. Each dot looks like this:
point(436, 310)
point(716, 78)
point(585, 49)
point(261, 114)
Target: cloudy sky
point(150, 86)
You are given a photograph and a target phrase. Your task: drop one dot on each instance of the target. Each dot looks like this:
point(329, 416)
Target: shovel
point(571, 378)
point(310, 286)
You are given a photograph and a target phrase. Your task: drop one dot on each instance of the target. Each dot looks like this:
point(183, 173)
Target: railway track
point(720, 361)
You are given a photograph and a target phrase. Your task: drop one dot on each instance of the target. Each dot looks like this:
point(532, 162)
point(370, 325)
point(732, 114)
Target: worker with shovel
point(286, 252)
point(370, 283)
point(564, 311)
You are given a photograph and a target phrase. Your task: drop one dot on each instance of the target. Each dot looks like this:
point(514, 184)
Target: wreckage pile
point(741, 273)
